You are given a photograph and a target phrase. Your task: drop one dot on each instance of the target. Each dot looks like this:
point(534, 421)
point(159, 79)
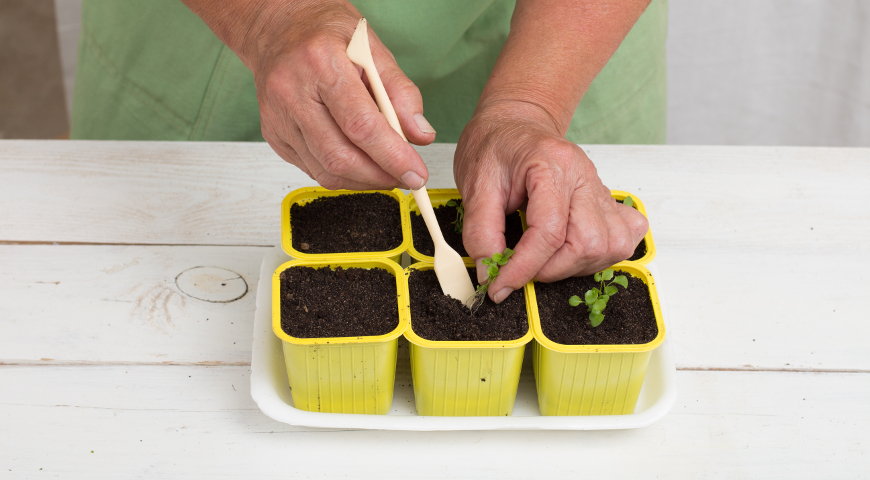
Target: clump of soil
point(446, 215)
point(639, 251)
point(628, 318)
point(435, 316)
point(358, 222)
point(353, 302)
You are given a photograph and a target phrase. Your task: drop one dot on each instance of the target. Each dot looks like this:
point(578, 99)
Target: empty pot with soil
point(586, 370)
point(464, 363)
point(339, 323)
point(449, 212)
point(317, 223)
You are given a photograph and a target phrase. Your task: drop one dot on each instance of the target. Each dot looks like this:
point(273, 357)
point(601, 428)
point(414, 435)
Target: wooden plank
point(121, 304)
point(152, 192)
point(708, 199)
point(106, 304)
point(197, 422)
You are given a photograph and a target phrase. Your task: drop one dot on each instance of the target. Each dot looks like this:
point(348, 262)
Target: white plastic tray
point(271, 390)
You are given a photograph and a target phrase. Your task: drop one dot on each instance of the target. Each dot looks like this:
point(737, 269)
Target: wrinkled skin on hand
point(315, 107)
point(512, 155)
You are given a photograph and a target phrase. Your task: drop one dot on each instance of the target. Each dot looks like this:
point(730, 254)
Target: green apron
point(152, 70)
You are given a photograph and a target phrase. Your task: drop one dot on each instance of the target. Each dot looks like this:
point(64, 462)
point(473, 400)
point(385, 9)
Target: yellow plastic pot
point(342, 374)
point(592, 379)
point(619, 195)
point(439, 197)
point(304, 195)
point(464, 378)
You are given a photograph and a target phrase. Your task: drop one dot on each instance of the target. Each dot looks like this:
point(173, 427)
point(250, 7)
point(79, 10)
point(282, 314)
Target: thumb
point(483, 228)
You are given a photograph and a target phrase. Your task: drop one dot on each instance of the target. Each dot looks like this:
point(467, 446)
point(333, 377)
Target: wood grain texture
point(197, 422)
point(121, 304)
point(708, 199)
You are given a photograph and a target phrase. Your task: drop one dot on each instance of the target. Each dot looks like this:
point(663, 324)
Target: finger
point(547, 216)
point(286, 152)
point(338, 156)
point(483, 225)
point(317, 172)
point(405, 97)
point(358, 116)
point(636, 222)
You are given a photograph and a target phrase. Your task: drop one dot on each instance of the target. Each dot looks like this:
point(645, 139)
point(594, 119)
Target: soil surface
point(446, 216)
point(435, 316)
point(359, 222)
point(353, 302)
point(639, 251)
point(628, 318)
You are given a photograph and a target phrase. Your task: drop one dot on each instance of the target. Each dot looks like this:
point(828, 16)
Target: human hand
point(315, 109)
point(511, 154)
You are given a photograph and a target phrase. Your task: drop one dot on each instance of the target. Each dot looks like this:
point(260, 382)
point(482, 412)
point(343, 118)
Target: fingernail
point(481, 271)
point(502, 294)
point(422, 124)
point(411, 179)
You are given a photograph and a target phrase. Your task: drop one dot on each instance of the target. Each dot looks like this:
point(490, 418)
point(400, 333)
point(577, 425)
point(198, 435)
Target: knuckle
point(338, 162)
point(553, 238)
point(329, 182)
point(595, 247)
point(622, 247)
point(362, 126)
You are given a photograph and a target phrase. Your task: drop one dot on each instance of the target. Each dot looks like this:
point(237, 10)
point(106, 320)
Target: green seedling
point(460, 215)
point(596, 299)
point(492, 264)
point(628, 201)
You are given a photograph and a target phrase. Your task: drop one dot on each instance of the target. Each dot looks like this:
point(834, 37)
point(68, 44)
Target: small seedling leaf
point(507, 253)
point(574, 301)
point(497, 258)
point(628, 201)
point(604, 298)
point(492, 271)
point(591, 296)
point(451, 203)
point(610, 290)
point(607, 274)
point(597, 277)
point(599, 305)
point(621, 280)
point(595, 319)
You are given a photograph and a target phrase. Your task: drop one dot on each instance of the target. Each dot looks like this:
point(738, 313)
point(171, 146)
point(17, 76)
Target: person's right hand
point(315, 108)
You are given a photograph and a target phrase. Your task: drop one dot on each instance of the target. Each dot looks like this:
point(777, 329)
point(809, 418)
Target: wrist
point(520, 110)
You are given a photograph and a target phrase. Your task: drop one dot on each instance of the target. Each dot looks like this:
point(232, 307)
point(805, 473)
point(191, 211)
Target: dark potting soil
point(359, 222)
point(446, 216)
point(435, 316)
point(628, 318)
point(353, 302)
point(639, 251)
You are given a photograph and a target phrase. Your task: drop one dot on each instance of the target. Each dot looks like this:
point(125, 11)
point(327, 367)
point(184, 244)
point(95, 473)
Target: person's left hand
point(512, 154)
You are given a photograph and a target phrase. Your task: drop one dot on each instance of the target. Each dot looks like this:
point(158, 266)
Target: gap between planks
point(52, 363)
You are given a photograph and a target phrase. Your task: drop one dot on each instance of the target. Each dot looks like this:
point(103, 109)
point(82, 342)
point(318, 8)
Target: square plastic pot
point(592, 379)
point(438, 197)
point(304, 195)
point(342, 374)
point(457, 378)
point(650, 254)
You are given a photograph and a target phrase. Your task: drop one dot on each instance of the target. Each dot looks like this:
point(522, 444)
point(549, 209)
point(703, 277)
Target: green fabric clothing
point(152, 70)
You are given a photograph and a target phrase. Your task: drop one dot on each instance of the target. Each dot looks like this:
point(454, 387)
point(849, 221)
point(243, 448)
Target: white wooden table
point(108, 370)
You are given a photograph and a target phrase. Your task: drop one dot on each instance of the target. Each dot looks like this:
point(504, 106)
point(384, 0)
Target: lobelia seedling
point(596, 299)
point(627, 201)
point(492, 263)
point(460, 215)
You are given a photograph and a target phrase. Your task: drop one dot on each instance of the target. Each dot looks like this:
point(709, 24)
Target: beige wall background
point(741, 72)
